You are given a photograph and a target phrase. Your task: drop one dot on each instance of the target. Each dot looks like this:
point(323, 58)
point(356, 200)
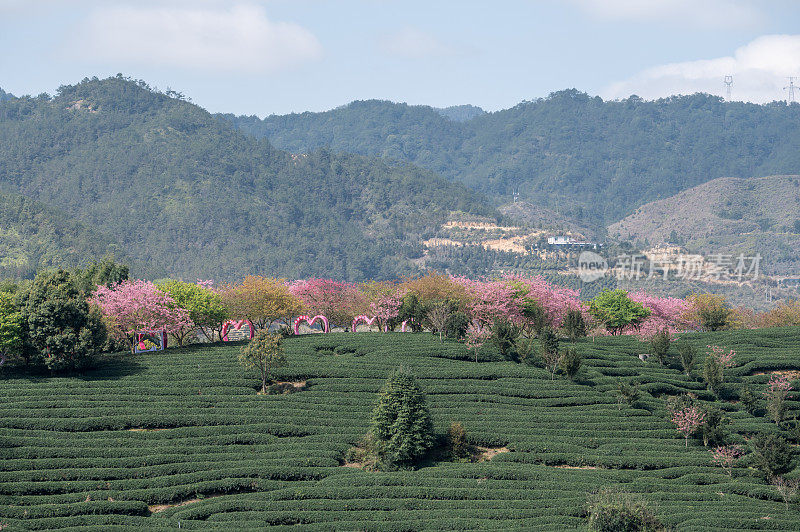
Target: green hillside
point(192, 197)
point(180, 439)
point(590, 159)
point(729, 216)
point(34, 237)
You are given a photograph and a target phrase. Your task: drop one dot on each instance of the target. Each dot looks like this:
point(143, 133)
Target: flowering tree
point(132, 306)
point(725, 359)
point(477, 335)
point(386, 310)
point(340, 302)
point(777, 392)
point(688, 420)
point(666, 313)
point(554, 301)
point(262, 300)
point(205, 307)
point(489, 301)
point(725, 456)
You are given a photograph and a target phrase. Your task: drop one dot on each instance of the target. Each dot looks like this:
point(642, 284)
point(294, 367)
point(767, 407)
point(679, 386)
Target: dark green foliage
point(713, 374)
point(688, 356)
point(106, 272)
point(570, 362)
point(401, 422)
point(504, 337)
point(750, 401)
point(457, 444)
point(189, 196)
point(535, 316)
point(456, 325)
point(611, 510)
point(548, 342)
point(626, 152)
point(574, 325)
point(772, 454)
point(660, 345)
point(412, 311)
point(627, 393)
point(61, 332)
point(714, 428)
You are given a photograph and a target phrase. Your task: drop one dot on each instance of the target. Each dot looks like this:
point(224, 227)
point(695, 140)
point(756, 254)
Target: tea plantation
point(181, 439)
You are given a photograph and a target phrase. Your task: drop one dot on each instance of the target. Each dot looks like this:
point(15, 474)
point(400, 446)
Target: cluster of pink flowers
point(778, 385)
point(688, 420)
point(725, 456)
point(725, 359)
point(667, 313)
point(556, 301)
point(490, 301)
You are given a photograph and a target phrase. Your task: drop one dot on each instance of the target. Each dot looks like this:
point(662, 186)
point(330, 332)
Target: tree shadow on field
point(106, 367)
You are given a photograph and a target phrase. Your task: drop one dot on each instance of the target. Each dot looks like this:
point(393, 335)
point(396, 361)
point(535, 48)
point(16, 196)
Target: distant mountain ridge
point(189, 196)
point(729, 216)
point(5, 95)
point(593, 160)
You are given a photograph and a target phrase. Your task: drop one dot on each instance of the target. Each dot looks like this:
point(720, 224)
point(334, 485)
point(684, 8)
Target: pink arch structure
point(300, 319)
point(405, 323)
point(363, 319)
point(236, 325)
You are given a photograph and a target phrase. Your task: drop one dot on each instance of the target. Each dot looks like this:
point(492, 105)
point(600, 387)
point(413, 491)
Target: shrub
point(749, 400)
point(457, 444)
point(610, 510)
point(688, 356)
point(714, 428)
point(61, 330)
point(627, 393)
point(504, 337)
point(549, 350)
point(712, 374)
point(710, 311)
point(776, 393)
point(570, 363)
point(401, 422)
point(456, 325)
point(263, 353)
point(772, 454)
point(660, 346)
point(574, 324)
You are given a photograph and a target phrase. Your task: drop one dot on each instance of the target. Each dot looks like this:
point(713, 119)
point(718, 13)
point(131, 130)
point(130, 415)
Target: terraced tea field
point(180, 439)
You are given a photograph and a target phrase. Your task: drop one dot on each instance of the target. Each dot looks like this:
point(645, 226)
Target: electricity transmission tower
point(728, 83)
point(790, 87)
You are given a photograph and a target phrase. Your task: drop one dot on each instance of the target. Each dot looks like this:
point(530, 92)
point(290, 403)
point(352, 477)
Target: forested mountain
point(33, 236)
point(460, 113)
point(5, 95)
point(729, 216)
point(590, 159)
point(188, 195)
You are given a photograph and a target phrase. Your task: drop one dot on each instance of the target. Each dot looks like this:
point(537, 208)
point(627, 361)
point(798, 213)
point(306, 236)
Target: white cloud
point(705, 13)
point(412, 43)
point(210, 38)
point(759, 71)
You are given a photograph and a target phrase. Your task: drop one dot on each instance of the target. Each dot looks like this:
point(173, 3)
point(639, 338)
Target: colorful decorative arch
point(403, 326)
point(300, 319)
point(236, 325)
point(140, 346)
point(363, 319)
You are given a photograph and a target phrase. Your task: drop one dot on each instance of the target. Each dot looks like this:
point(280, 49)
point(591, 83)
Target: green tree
point(548, 340)
point(104, 272)
point(10, 327)
point(504, 337)
point(574, 325)
point(616, 511)
point(660, 346)
point(570, 362)
point(61, 331)
point(263, 353)
point(401, 422)
point(713, 374)
point(772, 454)
point(616, 311)
point(205, 307)
point(688, 356)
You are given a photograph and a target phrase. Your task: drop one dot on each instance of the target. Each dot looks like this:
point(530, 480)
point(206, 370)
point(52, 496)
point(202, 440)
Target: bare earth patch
point(565, 466)
point(791, 373)
point(484, 454)
point(284, 387)
point(145, 430)
point(155, 508)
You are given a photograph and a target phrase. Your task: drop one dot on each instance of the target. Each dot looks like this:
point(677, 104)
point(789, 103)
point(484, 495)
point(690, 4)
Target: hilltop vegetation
point(726, 215)
point(191, 197)
point(34, 237)
point(151, 441)
point(587, 158)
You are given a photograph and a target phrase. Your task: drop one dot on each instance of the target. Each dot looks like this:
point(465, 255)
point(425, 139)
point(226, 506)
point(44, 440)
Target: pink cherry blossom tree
point(688, 420)
point(489, 301)
point(556, 301)
point(477, 335)
point(338, 301)
point(725, 456)
point(668, 313)
point(135, 305)
point(724, 358)
point(386, 309)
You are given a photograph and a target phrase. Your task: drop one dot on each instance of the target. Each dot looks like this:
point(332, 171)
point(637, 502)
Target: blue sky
point(280, 56)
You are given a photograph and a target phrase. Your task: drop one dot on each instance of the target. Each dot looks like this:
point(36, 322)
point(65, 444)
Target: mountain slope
point(590, 159)
point(726, 215)
point(33, 236)
point(194, 197)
